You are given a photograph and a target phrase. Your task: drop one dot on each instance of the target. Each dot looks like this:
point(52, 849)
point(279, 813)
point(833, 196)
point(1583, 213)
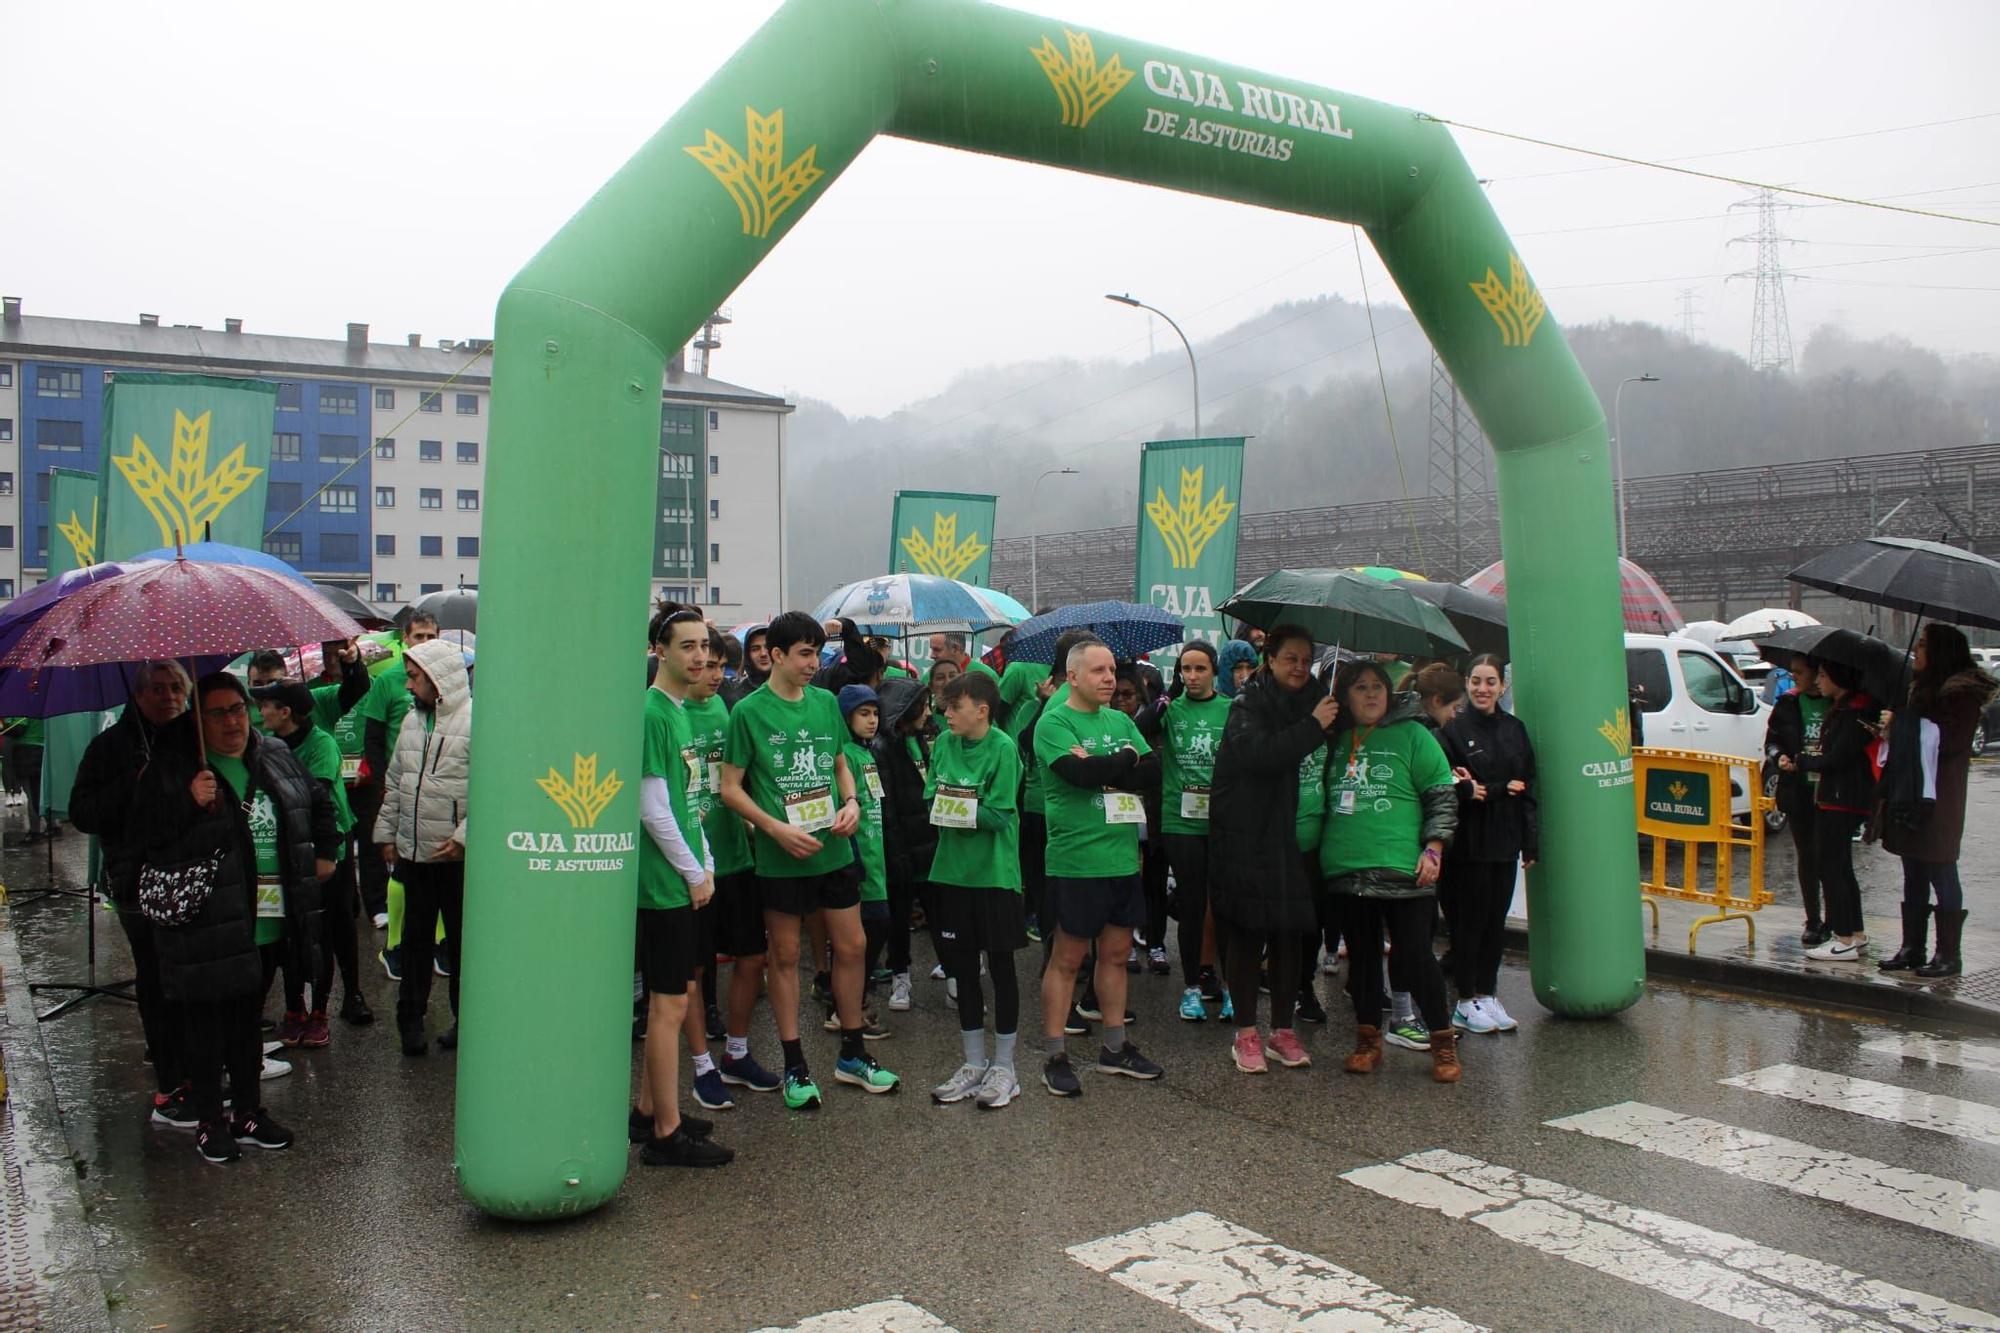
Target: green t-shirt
point(345, 728)
point(1192, 733)
point(1312, 799)
point(786, 751)
point(320, 757)
point(1083, 842)
point(989, 768)
point(669, 755)
point(1374, 781)
point(26, 730)
point(728, 841)
point(868, 836)
point(269, 889)
point(387, 700)
point(1812, 716)
point(1028, 705)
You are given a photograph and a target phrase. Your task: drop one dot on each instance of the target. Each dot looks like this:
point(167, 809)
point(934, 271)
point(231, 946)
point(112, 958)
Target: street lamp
point(1193, 373)
point(1618, 447)
point(1035, 532)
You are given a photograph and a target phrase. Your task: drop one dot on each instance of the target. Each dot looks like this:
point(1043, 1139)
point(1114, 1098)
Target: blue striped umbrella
point(917, 604)
point(1129, 629)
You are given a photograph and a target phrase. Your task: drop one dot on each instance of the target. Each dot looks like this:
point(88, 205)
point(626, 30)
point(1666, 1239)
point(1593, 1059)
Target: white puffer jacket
point(423, 796)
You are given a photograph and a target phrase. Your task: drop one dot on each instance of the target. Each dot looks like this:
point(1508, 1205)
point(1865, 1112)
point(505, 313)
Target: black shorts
point(803, 895)
point(1084, 907)
point(732, 925)
point(666, 949)
point(988, 920)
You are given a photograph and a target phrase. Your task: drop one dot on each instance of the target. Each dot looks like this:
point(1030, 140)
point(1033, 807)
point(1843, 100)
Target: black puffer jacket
point(1494, 748)
point(214, 957)
point(1846, 779)
point(1785, 734)
point(908, 840)
point(1258, 878)
point(105, 799)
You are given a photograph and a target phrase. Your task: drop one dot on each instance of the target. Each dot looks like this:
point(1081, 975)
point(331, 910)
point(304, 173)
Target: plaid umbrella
point(1129, 629)
point(1648, 609)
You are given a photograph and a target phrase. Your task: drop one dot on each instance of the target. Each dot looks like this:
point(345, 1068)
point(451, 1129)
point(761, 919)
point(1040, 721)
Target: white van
point(1691, 698)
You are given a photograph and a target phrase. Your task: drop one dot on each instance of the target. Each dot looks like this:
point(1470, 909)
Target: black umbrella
point(1882, 668)
point(1777, 645)
point(1480, 618)
point(361, 611)
point(455, 609)
point(1933, 580)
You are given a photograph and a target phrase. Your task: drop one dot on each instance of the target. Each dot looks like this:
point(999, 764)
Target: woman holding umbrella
point(1845, 793)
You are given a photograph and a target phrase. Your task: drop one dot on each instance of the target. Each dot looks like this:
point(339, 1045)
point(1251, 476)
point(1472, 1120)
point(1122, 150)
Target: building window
point(430, 451)
point(385, 497)
point(426, 589)
point(339, 548)
point(714, 421)
point(468, 451)
point(51, 382)
point(287, 546)
point(281, 497)
point(676, 421)
point(385, 448)
point(385, 543)
point(340, 500)
point(468, 548)
point(42, 487)
point(6, 483)
point(468, 404)
point(468, 499)
point(6, 375)
point(715, 553)
point(341, 398)
point(285, 446)
point(430, 402)
point(6, 588)
point(714, 465)
point(64, 435)
point(677, 465)
point(6, 428)
point(385, 593)
point(6, 536)
point(339, 448)
point(714, 595)
point(385, 401)
point(288, 397)
point(41, 551)
point(715, 509)
point(430, 546)
point(430, 497)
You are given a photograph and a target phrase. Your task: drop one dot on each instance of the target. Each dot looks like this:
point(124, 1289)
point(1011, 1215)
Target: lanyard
point(1354, 746)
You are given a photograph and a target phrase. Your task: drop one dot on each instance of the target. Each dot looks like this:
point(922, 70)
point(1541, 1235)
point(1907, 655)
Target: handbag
point(173, 895)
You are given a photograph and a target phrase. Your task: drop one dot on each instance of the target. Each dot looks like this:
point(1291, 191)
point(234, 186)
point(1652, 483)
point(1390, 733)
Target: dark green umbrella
point(1347, 609)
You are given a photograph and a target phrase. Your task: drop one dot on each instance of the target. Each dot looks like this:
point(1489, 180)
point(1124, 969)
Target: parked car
point(1690, 697)
point(1988, 730)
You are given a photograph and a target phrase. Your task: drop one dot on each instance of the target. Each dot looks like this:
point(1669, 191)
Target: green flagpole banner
point(582, 337)
point(944, 533)
point(73, 510)
point(186, 458)
point(1190, 501)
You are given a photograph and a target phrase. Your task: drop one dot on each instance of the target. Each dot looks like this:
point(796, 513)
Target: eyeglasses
point(225, 714)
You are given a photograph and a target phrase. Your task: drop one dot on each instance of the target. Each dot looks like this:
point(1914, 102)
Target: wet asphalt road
point(968, 1215)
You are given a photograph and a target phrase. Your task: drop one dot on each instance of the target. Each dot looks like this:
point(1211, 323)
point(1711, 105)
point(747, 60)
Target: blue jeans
point(1920, 877)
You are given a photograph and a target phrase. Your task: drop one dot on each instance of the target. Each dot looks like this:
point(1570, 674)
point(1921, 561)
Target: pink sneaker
point(1284, 1047)
point(316, 1033)
point(292, 1029)
point(1248, 1048)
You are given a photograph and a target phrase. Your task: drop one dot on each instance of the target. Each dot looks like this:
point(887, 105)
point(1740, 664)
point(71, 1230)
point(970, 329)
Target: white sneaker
point(951, 989)
point(899, 992)
point(1833, 951)
point(381, 921)
point(937, 972)
point(273, 1069)
point(999, 1087)
point(273, 1047)
point(962, 1084)
point(1471, 1016)
point(1496, 1013)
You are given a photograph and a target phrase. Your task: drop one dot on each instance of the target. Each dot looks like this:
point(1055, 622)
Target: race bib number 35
point(1123, 807)
point(955, 807)
point(810, 811)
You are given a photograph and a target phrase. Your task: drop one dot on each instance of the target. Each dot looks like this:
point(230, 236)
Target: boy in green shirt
point(861, 708)
point(1024, 688)
point(783, 773)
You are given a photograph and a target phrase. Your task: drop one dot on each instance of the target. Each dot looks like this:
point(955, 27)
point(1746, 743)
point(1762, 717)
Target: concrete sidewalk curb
point(1822, 987)
point(48, 1260)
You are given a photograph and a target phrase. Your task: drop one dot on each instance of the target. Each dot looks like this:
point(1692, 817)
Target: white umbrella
point(1765, 619)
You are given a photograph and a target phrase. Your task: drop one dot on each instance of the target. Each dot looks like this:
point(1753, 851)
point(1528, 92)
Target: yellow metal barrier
point(1684, 797)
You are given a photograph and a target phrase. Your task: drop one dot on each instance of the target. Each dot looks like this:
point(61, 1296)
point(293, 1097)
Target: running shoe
point(316, 1033)
point(448, 1039)
point(715, 1027)
point(439, 963)
point(871, 1030)
point(1833, 951)
point(1283, 1045)
point(801, 1093)
point(1498, 1013)
point(965, 1082)
point(292, 1030)
point(273, 1069)
point(822, 988)
point(1126, 1060)
point(1076, 1025)
point(1470, 1016)
point(1211, 985)
point(1247, 1050)
point(1088, 1007)
point(865, 1074)
point(683, 1149)
point(215, 1144)
point(1060, 1079)
point(172, 1110)
point(1308, 1007)
point(831, 1023)
point(879, 975)
point(381, 920)
point(899, 993)
point(257, 1130)
point(392, 962)
point(1407, 1033)
point(1034, 930)
point(639, 1126)
point(746, 1073)
point(273, 1047)
point(354, 1009)
point(1228, 1008)
point(1157, 958)
point(1192, 1008)
point(710, 1094)
point(937, 972)
point(1132, 963)
point(999, 1087)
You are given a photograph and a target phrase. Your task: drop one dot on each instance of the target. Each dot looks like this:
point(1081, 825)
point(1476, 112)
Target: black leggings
point(1805, 844)
point(157, 1017)
point(218, 1036)
point(902, 897)
point(1481, 892)
point(1834, 834)
point(336, 918)
point(963, 964)
point(1243, 957)
point(1188, 854)
point(1412, 965)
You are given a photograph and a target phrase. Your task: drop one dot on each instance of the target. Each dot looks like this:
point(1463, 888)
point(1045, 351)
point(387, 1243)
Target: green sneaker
point(1408, 1034)
point(801, 1093)
point(865, 1074)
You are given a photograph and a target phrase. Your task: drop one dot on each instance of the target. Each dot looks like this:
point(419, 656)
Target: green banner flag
point(1190, 494)
point(942, 532)
point(186, 458)
point(73, 510)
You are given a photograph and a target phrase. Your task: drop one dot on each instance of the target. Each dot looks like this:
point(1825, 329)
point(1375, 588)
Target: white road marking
point(1878, 1101)
point(1727, 1274)
point(1981, 1055)
point(1950, 1207)
point(1226, 1277)
point(890, 1316)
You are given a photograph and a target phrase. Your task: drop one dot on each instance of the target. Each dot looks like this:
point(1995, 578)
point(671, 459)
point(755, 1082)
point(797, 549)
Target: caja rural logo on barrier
point(582, 797)
point(185, 497)
point(943, 553)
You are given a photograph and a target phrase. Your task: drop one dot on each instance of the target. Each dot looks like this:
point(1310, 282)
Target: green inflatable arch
point(584, 333)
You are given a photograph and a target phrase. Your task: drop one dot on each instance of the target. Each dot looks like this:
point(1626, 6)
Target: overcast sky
point(301, 166)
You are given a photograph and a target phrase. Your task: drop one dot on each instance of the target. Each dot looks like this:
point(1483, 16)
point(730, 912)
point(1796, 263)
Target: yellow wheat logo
point(1081, 85)
point(185, 496)
point(763, 185)
point(1618, 731)
point(1677, 789)
point(581, 796)
point(1517, 307)
point(1187, 527)
point(82, 540)
point(942, 552)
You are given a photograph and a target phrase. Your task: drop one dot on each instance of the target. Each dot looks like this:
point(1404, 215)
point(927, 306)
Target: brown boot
point(1367, 1054)
point(1444, 1056)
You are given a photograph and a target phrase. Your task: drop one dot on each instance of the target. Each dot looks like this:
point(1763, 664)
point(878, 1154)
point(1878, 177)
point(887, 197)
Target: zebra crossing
point(1218, 1274)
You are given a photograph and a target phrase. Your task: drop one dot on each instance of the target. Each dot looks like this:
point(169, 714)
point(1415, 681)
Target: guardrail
point(1684, 797)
